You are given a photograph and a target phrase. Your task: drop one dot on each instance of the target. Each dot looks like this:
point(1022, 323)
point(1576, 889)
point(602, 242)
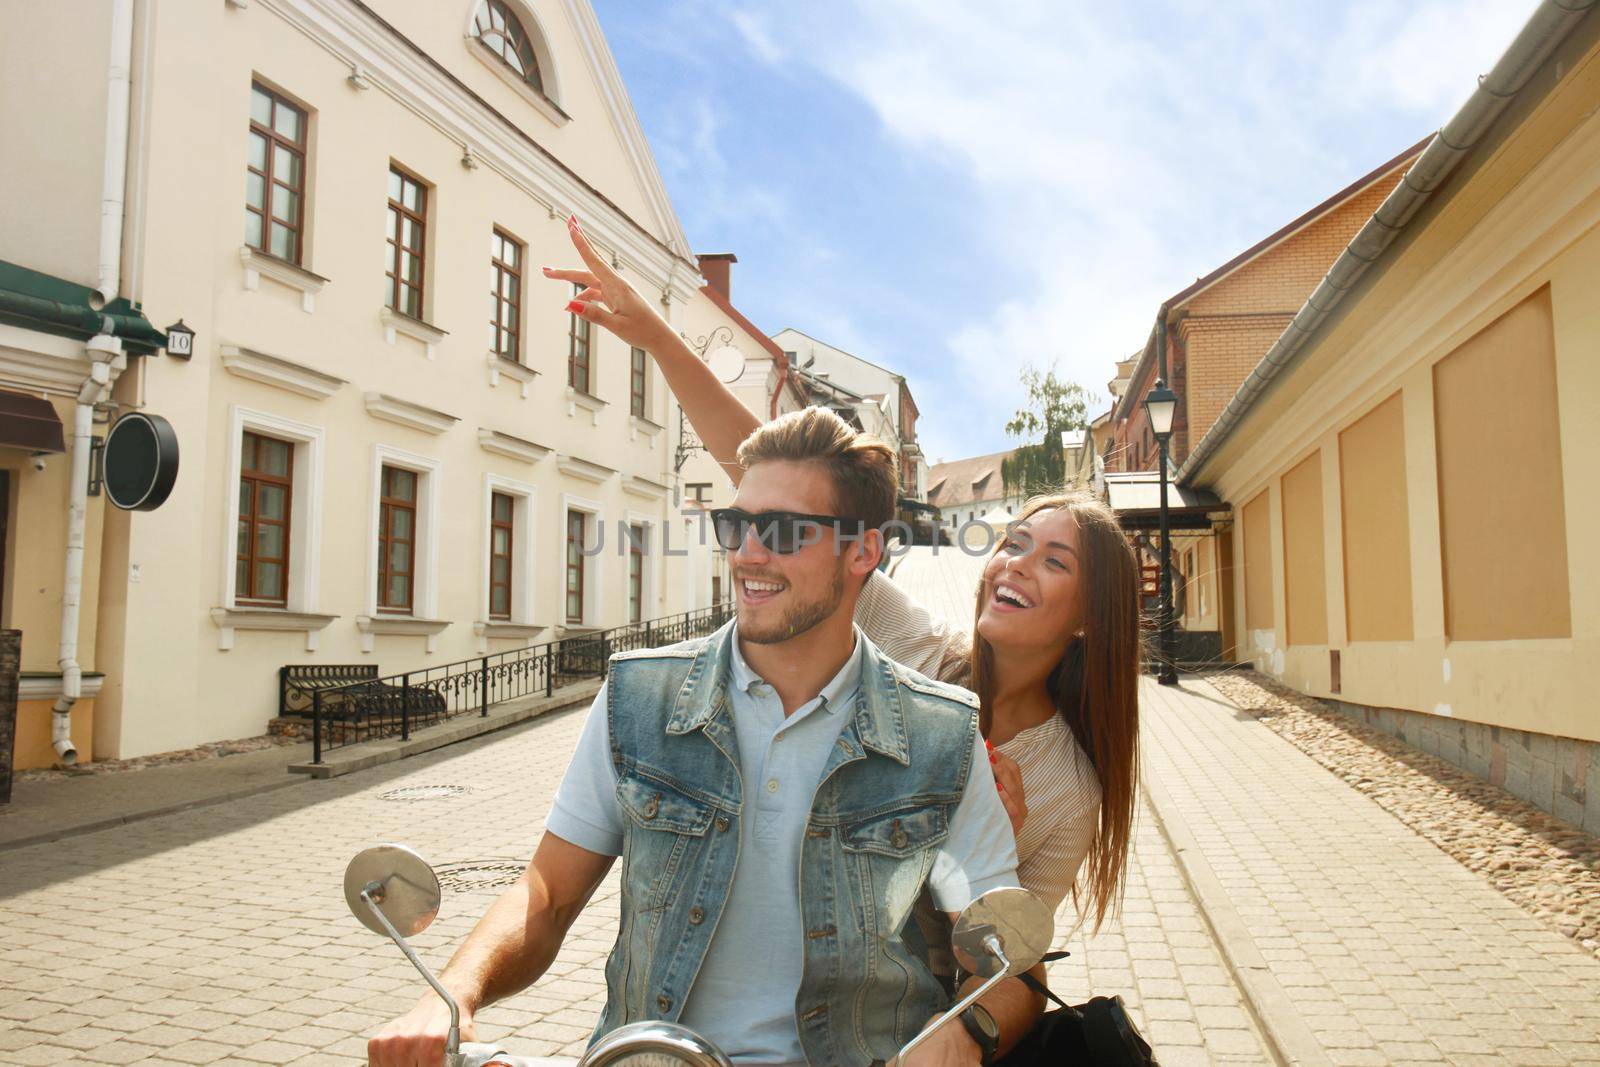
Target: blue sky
point(954, 189)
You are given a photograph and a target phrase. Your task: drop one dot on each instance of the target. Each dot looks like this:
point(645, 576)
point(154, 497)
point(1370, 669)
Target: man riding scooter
point(781, 793)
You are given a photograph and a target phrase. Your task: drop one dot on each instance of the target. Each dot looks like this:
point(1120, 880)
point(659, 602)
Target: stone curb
point(1287, 1037)
point(360, 757)
point(96, 825)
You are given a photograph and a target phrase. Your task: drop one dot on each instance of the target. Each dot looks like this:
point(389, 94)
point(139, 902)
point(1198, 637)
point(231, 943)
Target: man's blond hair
point(863, 470)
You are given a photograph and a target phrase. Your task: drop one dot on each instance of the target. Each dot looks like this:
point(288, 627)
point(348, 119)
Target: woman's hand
point(1008, 777)
point(608, 299)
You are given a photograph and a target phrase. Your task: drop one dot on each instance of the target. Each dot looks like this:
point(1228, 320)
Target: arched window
point(503, 34)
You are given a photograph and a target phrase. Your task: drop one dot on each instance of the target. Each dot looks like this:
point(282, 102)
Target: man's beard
point(799, 618)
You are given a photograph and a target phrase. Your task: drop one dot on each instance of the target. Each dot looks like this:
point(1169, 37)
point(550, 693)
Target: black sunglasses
point(779, 531)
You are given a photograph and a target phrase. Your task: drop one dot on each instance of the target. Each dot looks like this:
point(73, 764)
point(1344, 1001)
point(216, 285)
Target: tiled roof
point(965, 481)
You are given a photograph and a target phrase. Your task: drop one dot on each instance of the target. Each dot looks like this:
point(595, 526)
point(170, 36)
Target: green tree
point(1039, 464)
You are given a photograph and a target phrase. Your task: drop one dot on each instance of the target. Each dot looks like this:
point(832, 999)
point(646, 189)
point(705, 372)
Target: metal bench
point(352, 692)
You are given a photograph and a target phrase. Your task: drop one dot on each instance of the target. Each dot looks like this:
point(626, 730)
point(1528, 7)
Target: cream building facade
point(393, 435)
point(1412, 478)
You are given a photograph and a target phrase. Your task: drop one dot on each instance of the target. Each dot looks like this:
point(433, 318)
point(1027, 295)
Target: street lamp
point(1161, 404)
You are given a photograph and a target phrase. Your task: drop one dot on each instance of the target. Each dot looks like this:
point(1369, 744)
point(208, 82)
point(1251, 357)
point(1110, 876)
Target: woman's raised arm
point(610, 300)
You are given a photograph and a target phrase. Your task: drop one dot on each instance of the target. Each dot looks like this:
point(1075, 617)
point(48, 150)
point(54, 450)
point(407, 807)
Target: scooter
point(393, 891)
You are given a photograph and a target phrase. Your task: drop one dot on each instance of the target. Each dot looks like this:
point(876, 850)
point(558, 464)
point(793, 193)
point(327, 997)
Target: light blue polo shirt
point(743, 997)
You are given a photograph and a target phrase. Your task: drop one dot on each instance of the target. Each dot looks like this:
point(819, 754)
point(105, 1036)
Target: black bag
point(1098, 1032)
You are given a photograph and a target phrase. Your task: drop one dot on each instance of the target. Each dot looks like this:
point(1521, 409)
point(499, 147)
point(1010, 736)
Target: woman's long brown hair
point(1095, 687)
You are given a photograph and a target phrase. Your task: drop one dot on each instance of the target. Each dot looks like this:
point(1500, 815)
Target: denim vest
point(883, 806)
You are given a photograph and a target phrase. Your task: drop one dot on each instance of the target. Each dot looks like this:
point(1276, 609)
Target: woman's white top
point(1061, 788)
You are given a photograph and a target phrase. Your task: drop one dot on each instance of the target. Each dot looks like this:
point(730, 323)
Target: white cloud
point(1422, 57)
point(755, 34)
point(1115, 153)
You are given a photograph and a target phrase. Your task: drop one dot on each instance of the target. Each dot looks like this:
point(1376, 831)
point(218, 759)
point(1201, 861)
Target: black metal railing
point(396, 704)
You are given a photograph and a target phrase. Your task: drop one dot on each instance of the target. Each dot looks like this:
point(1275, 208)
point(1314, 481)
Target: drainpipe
point(106, 360)
point(116, 155)
point(783, 378)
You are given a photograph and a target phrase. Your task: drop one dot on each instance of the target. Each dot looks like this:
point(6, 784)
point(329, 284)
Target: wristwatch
point(982, 1028)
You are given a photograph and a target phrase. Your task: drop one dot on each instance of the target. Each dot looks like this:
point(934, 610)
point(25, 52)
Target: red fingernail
point(1000, 787)
point(572, 220)
point(992, 759)
point(547, 270)
point(576, 306)
point(988, 744)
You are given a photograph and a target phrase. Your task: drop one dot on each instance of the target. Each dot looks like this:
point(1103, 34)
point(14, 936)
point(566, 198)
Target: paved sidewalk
point(1359, 941)
point(49, 809)
point(1158, 955)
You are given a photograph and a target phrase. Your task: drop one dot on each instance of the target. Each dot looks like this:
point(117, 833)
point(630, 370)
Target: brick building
point(1218, 327)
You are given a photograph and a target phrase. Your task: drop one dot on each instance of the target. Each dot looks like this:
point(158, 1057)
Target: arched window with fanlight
point(499, 30)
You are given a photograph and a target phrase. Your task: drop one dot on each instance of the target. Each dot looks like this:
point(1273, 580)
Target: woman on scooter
point(1053, 649)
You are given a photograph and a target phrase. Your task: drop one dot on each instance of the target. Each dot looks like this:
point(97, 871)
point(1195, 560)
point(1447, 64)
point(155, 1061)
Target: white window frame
point(549, 74)
point(647, 575)
point(305, 506)
point(523, 510)
point(425, 587)
point(594, 566)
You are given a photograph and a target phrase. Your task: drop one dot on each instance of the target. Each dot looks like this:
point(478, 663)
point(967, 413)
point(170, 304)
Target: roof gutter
point(118, 318)
point(1544, 31)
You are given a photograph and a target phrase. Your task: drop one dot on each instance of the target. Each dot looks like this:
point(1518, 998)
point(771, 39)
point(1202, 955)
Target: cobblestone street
point(1294, 921)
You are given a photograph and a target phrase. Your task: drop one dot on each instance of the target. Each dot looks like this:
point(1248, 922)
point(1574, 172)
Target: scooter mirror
point(1020, 922)
point(401, 884)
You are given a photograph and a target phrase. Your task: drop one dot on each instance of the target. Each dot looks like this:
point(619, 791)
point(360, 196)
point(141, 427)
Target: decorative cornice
point(645, 488)
point(46, 685)
point(577, 398)
point(504, 631)
point(584, 469)
point(521, 372)
point(41, 362)
point(394, 65)
point(505, 444)
point(638, 424)
point(402, 625)
point(280, 372)
point(404, 412)
point(396, 323)
point(228, 620)
point(258, 265)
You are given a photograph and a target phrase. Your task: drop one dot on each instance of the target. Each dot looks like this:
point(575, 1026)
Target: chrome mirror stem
point(370, 895)
point(992, 944)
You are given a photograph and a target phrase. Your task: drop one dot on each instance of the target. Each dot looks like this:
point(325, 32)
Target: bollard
point(405, 708)
point(316, 726)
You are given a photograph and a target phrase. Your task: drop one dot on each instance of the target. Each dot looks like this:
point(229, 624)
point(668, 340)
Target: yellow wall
point(1197, 558)
point(1517, 231)
point(1304, 574)
point(1376, 528)
point(33, 732)
point(1258, 579)
point(1500, 494)
point(36, 554)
